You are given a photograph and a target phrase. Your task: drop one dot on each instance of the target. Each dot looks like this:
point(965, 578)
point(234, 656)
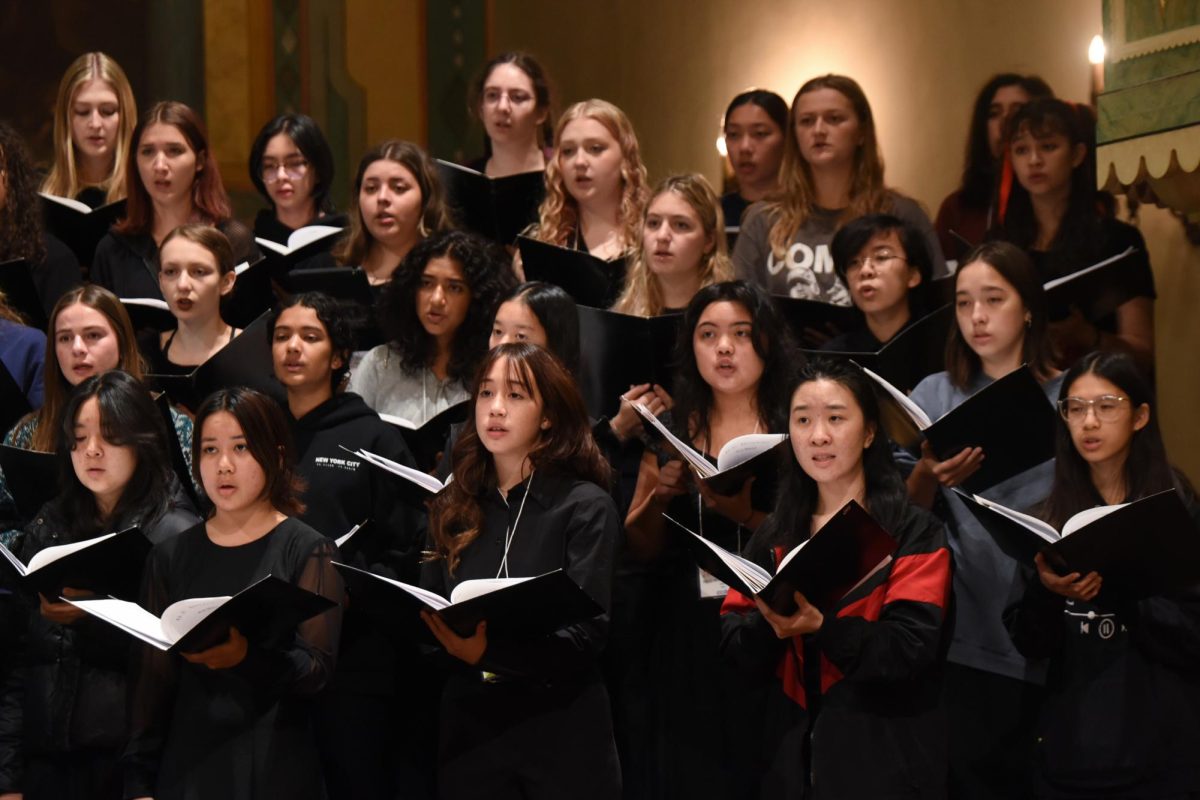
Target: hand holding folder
point(516, 607)
point(110, 564)
point(1147, 547)
point(267, 610)
point(1010, 419)
point(824, 568)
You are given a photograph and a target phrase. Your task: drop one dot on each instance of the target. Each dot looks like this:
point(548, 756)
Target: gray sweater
point(986, 580)
point(806, 270)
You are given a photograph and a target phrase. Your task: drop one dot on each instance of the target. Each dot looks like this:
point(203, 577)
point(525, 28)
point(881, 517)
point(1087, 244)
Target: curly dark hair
point(772, 342)
point(488, 276)
point(338, 319)
point(796, 499)
point(21, 215)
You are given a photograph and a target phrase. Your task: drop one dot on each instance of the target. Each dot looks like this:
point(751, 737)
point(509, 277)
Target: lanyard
point(510, 533)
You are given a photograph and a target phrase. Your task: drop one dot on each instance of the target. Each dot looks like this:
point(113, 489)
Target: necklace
point(510, 533)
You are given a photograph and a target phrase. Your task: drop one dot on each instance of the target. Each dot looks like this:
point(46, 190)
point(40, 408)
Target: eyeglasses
point(293, 170)
point(879, 259)
point(1106, 407)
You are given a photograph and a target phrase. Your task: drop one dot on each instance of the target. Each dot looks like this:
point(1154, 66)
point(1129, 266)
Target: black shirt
point(565, 524)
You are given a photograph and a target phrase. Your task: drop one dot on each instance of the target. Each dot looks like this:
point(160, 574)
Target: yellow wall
point(385, 56)
point(672, 65)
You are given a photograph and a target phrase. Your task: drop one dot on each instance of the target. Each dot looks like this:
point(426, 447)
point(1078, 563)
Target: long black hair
point(558, 315)
point(1079, 240)
point(771, 341)
point(1146, 470)
point(489, 278)
point(796, 500)
point(979, 165)
point(128, 418)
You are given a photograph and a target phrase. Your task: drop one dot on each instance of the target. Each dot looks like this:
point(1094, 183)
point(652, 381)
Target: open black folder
point(511, 606)
point(425, 441)
point(79, 226)
point(912, 354)
point(13, 402)
point(266, 611)
point(304, 247)
point(110, 564)
point(245, 361)
point(32, 477)
point(620, 351)
point(149, 313)
point(590, 280)
point(802, 314)
point(20, 292)
point(752, 455)
point(1096, 290)
point(1010, 418)
point(496, 208)
point(1147, 547)
point(827, 566)
point(253, 293)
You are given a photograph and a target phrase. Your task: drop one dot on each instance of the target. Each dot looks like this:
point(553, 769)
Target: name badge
point(711, 587)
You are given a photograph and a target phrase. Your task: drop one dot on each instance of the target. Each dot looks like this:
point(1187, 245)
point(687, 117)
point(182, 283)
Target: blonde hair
point(794, 203)
point(559, 213)
point(643, 295)
point(63, 179)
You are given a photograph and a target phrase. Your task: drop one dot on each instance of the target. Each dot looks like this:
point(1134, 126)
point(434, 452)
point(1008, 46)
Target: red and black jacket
point(866, 686)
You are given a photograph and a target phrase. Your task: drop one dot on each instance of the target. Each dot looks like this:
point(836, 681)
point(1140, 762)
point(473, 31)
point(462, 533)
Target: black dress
point(686, 717)
point(244, 733)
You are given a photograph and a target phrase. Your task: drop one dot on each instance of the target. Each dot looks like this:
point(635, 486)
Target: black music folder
point(427, 440)
point(1011, 419)
point(802, 314)
point(590, 280)
point(1147, 547)
point(1095, 290)
point(20, 292)
point(827, 566)
point(620, 351)
point(13, 403)
point(32, 477)
point(77, 224)
point(495, 208)
point(245, 361)
point(911, 355)
point(110, 564)
point(266, 611)
point(511, 606)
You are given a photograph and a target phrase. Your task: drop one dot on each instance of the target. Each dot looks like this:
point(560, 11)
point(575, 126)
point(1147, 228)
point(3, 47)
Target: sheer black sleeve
point(306, 665)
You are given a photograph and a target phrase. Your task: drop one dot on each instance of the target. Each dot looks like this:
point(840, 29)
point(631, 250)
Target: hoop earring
point(421, 229)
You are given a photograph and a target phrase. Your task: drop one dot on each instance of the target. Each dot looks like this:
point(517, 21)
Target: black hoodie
point(343, 490)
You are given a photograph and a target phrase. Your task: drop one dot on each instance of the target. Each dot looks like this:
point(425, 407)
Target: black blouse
point(242, 732)
point(566, 524)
